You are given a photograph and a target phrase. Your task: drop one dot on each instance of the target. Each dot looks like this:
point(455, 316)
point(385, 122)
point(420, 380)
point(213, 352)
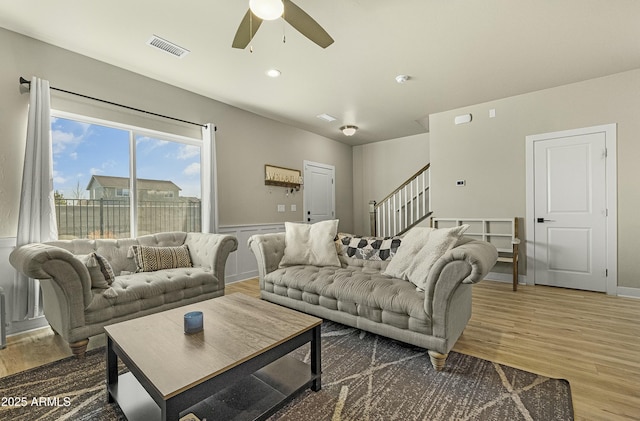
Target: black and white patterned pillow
point(149, 258)
point(368, 248)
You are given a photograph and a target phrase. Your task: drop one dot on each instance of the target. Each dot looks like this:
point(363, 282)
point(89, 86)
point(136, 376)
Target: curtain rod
point(25, 81)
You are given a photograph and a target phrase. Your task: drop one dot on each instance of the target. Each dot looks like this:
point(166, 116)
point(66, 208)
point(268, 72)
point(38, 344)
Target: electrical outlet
point(281, 208)
point(461, 183)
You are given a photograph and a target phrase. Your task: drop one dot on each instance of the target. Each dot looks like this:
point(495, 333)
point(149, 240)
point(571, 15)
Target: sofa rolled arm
point(467, 263)
point(481, 255)
point(45, 261)
point(269, 250)
point(211, 251)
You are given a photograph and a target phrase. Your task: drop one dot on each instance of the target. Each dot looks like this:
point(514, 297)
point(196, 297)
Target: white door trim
point(304, 191)
point(610, 131)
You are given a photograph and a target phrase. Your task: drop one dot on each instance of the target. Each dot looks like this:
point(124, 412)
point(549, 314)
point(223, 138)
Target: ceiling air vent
point(167, 47)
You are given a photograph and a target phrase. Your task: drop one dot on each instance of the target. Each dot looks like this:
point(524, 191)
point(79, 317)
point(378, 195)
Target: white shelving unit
point(501, 232)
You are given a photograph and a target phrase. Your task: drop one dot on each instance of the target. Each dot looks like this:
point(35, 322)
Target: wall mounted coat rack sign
point(285, 177)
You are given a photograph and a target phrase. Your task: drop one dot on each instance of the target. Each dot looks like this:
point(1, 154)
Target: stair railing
point(404, 208)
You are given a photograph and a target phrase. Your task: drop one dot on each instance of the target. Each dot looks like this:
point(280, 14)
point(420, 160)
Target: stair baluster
point(405, 207)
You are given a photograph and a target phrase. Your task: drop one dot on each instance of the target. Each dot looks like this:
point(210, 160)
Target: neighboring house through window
point(122, 192)
point(117, 181)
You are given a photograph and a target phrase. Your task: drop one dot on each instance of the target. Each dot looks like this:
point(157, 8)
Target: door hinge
point(605, 152)
point(606, 273)
point(332, 181)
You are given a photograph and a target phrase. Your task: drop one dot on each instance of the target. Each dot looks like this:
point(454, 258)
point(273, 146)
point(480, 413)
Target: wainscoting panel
point(242, 264)
point(7, 274)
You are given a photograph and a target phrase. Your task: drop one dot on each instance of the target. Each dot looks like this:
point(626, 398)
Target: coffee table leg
point(170, 410)
point(316, 360)
point(112, 369)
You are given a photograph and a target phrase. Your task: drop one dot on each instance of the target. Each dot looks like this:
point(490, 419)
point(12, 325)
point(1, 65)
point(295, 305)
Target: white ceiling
point(457, 52)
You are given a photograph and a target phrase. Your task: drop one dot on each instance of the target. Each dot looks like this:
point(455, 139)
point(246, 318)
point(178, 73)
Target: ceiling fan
point(260, 10)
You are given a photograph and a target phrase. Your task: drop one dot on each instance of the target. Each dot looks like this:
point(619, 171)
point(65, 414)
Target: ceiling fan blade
point(305, 24)
point(247, 29)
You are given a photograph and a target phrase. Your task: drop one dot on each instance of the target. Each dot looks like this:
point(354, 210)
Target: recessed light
point(273, 72)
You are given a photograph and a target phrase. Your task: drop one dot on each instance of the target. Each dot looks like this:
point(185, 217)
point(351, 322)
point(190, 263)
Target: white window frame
point(206, 166)
point(121, 192)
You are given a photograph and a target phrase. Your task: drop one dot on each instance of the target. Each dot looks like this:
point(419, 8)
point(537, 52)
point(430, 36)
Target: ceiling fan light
point(267, 9)
point(349, 130)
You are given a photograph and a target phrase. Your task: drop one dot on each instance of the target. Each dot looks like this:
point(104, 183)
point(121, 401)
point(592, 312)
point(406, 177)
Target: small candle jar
point(193, 322)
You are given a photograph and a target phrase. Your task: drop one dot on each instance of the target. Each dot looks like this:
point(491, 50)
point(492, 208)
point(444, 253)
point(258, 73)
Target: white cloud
point(151, 142)
point(58, 178)
point(192, 169)
point(108, 164)
point(95, 171)
point(73, 155)
point(63, 139)
point(188, 151)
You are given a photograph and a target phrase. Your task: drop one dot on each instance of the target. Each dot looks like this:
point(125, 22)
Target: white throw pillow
point(412, 242)
point(310, 244)
point(440, 241)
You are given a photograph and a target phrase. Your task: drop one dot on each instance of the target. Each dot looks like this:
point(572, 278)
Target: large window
point(116, 181)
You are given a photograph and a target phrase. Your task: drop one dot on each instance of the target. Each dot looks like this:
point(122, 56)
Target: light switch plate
point(281, 208)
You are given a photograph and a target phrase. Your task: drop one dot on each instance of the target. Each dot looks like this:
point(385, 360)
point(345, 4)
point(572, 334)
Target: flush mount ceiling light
point(402, 78)
point(349, 130)
point(273, 73)
point(267, 9)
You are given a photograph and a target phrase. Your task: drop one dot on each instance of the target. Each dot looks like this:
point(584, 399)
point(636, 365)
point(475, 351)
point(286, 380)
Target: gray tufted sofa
point(358, 294)
point(77, 311)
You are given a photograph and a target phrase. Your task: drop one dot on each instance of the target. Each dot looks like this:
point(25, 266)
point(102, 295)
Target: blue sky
point(81, 150)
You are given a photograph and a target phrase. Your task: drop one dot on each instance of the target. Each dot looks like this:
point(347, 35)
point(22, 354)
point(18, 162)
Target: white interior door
point(319, 192)
point(570, 223)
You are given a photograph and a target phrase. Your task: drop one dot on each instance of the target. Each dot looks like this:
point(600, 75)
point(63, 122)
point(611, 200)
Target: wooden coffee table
point(237, 368)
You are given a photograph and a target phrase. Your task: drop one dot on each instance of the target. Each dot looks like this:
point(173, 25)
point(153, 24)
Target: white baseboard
point(505, 277)
point(522, 280)
point(628, 292)
point(27, 326)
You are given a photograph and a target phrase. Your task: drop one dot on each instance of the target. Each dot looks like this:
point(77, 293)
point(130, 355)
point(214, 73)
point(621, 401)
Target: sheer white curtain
point(37, 219)
point(209, 183)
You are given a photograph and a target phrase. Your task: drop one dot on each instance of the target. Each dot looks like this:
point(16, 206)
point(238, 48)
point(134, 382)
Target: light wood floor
point(590, 339)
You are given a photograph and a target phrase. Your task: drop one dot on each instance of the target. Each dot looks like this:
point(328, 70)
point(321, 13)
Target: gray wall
point(379, 168)
point(490, 153)
point(245, 141)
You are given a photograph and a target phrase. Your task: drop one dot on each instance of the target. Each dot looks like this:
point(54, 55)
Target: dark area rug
point(365, 377)
point(69, 389)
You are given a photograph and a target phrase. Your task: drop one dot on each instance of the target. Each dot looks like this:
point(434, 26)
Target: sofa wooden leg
point(437, 359)
point(79, 348)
